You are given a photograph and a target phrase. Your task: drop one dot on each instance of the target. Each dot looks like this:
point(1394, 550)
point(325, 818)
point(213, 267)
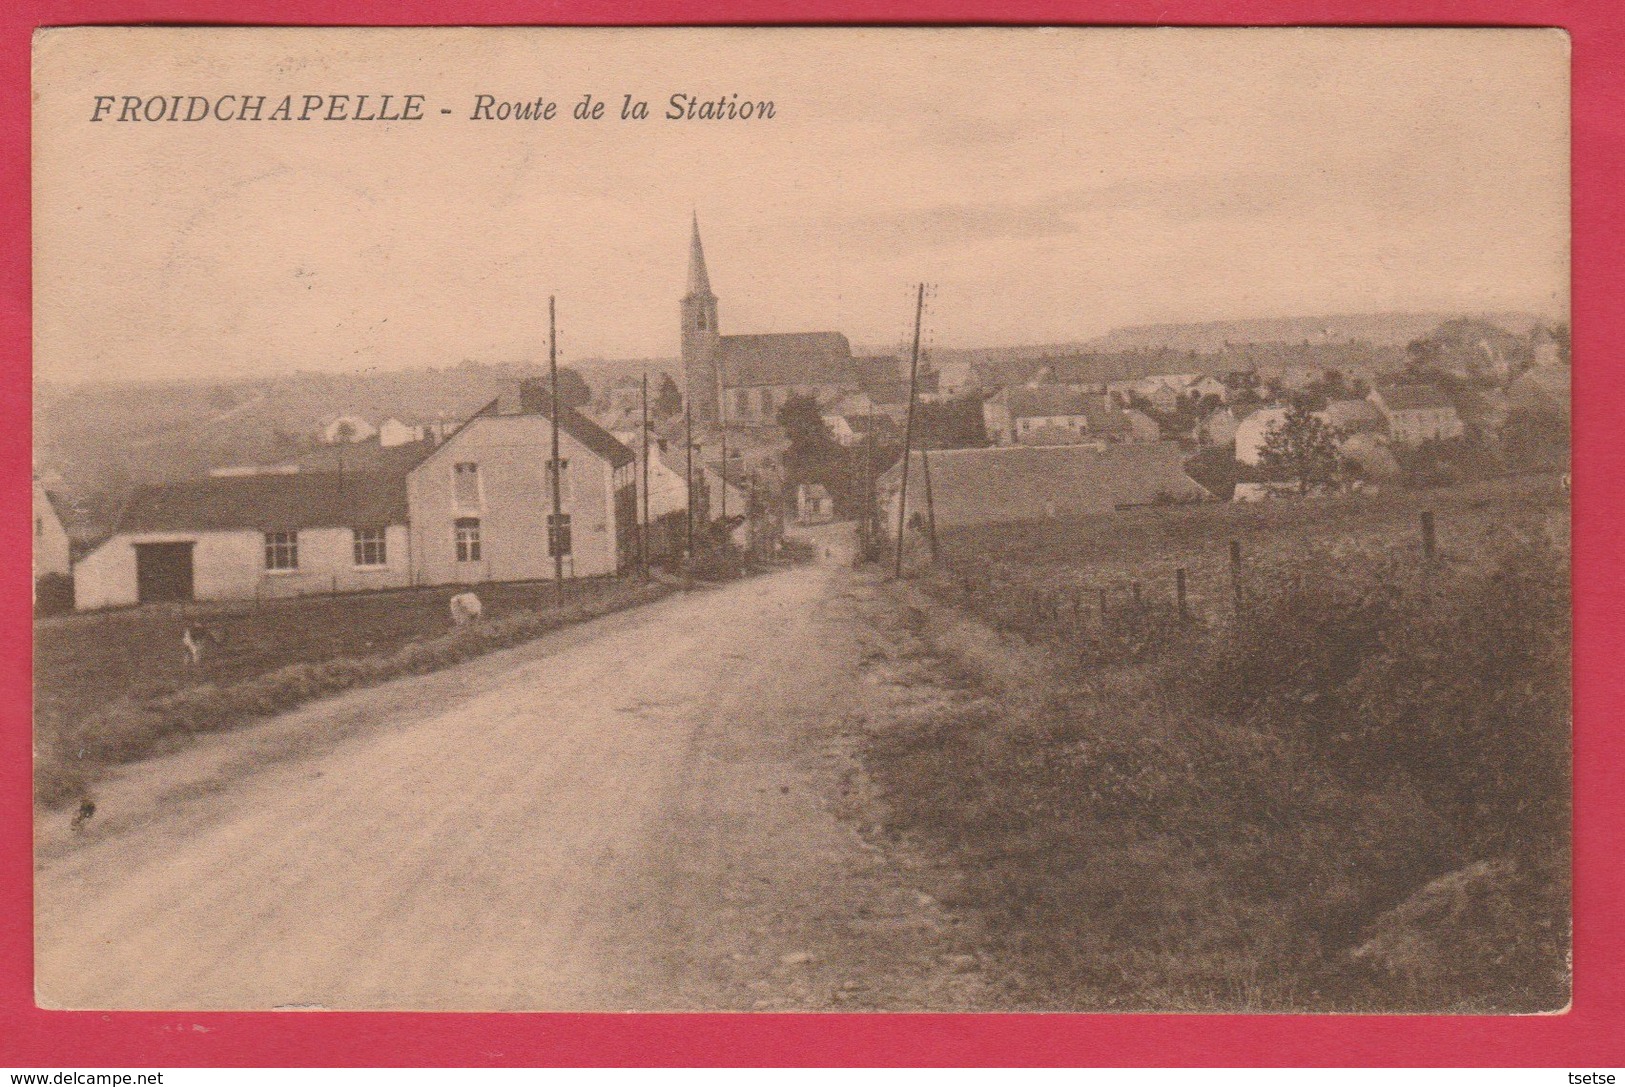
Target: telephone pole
point(555, 527)
point(643, 537)
point(688, 477)
point(908, 426)
point(722, 423)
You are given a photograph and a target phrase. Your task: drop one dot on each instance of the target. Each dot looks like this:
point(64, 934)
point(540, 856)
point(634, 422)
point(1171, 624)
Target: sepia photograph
point(802, 519)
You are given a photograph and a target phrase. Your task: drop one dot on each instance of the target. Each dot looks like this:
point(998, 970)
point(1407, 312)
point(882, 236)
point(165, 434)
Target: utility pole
point(722, 422)
point(908, 426)
point(930, 506)
point(555, 528)
point(643, 537)
point(688, 476)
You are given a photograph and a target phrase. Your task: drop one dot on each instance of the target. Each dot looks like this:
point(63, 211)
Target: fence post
point(1179, 593)
point(1134, 587)
point(1428, 539)
point(1103, 607)
point(1235, 573)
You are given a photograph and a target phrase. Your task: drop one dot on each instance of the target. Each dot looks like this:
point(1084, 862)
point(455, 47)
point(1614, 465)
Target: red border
point(1592, 1033)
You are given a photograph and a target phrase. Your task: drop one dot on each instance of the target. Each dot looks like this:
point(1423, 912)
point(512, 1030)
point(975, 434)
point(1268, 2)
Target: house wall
point(512, 453)
point(1051, 429)
point(745, 403)
point(50, 538)
point(230, 565)
point(1253, 432)
point(1414, 427)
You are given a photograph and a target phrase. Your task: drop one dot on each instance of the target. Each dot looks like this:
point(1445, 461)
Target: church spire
point(699, 283)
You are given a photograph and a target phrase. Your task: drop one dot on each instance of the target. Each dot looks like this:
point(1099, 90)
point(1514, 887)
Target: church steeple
point(700, 337)
point(699, 283)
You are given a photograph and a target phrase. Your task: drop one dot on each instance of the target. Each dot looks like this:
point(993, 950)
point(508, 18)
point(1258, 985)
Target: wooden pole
point(554, 533)
point(643, 537)
point(908, 427)
point(1429, 541)
point(869, 511)
point(1179, 592)
point(688, 477)
point(930, 506)
point(722, 423)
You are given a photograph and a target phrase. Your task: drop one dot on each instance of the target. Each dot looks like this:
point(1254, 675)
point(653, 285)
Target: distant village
point(760, 432)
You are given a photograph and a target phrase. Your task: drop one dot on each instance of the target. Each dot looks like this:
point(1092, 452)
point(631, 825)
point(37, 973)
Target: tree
point(1301, 447)
point(574, 391)
point(670, 400)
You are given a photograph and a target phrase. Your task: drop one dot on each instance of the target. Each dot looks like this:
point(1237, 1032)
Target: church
point(744, 380)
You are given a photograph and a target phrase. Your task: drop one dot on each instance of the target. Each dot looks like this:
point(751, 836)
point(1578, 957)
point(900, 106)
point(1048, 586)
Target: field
point(1338, 781)
point(115, 686)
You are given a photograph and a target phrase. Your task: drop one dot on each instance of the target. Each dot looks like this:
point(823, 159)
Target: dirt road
point(655, 810)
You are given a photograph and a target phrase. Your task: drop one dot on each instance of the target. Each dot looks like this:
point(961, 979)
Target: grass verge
point(71, 749)
point(1351, 795)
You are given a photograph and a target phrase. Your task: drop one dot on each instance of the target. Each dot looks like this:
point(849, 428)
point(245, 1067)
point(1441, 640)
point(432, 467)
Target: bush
point(1218, 813)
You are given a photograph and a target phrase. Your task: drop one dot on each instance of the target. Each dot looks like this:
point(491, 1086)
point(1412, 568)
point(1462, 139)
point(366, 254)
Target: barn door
point(163, 571)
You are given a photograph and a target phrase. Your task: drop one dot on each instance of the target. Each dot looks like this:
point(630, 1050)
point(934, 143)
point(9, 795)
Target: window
point(564, 479)
point(465, 486)
point(767, 401)
point(282, 550)
point(558, 534)
point(741, 402)
point(369, 547)
point(468, 539)
point(699, 321)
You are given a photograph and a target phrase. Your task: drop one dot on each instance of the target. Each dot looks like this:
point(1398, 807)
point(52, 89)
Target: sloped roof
point(1413, 398)
point(1029, 483)
point(786, 358)
point(268, 502)
point(1548, 387)
point(363, 457)
point(1040, 401)
point(532, 398)
point(1352, 414)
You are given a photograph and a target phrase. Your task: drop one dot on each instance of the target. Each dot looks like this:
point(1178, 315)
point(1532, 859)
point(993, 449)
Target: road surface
point(644, 812)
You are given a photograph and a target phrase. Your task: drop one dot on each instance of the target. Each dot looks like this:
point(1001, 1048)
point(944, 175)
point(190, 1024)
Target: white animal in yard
point(193, 639)
point(465, 609)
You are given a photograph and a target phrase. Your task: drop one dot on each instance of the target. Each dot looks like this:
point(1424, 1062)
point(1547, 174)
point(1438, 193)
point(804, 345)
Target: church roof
point(699, 283)
point(786, 358)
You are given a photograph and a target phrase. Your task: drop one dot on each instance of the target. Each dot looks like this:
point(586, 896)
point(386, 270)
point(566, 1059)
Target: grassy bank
point(1348, 793)
point(111, 688)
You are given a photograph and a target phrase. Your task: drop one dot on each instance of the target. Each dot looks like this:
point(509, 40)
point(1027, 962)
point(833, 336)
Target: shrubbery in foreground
point(1356, 797)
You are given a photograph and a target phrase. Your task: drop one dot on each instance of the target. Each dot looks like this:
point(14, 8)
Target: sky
point(1049, 184)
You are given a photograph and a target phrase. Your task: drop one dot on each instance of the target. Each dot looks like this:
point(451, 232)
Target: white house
point(51, 549)
point(1253, 431)
point(481, 504)
point(251, 537)
point(346, 428)
point(404, 430)
point(1417, 413)
point(1051, 415)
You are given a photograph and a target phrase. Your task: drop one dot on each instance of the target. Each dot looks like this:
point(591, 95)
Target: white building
point(251, 537)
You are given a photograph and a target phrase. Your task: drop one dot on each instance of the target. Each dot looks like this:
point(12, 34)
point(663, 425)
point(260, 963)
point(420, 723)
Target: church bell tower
point(700, 337)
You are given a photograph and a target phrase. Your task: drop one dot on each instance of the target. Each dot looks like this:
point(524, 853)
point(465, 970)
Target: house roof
point(1026, 483)
point(1352, 414)
point(363, 456)
point(1547, 387)
point(1040, 401)
point(786, 358)
point(532, 398)
point(268, 502)
point(1413, 398)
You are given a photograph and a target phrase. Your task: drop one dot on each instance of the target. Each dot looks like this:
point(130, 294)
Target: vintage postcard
point(845, 519)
